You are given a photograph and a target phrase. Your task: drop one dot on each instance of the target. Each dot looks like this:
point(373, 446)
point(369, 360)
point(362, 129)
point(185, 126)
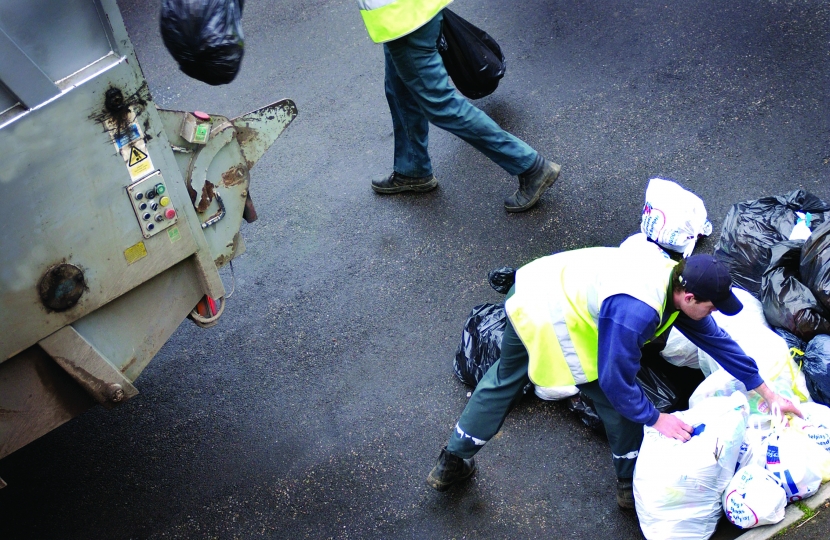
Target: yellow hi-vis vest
point(390, 19)
point(555, 307)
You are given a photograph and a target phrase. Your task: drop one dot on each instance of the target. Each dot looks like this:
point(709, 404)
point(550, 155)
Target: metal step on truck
point(115, 216)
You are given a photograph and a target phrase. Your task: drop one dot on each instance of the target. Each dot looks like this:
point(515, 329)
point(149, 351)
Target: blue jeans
point(419, 92)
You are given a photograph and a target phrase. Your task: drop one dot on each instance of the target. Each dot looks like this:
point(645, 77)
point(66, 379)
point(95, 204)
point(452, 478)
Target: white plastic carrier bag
point(754, 446)
point(792, 458)
point(769, 350)
point(673, 217)
point(721, 383)
point(754, 497)
point(678, 486)
point(816, 423)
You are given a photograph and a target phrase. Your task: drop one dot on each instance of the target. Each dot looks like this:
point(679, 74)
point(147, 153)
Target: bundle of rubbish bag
point(205, 37)
point(744, 461)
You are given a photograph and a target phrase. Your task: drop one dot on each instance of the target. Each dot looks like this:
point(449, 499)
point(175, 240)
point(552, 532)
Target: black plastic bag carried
point(789, 303)
point(480, 342)
point(205, 37)
point(751, 228)
point(817, 368)
point(815, 264)
point(473, 59)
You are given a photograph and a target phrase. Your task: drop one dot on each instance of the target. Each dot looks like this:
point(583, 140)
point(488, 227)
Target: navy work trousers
point(502, 385)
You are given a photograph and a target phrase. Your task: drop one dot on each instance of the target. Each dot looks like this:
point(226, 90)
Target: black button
point(151, 194)
point(142, 206)
point(154, 206)
point(139, 196)
point(146, 216)
point(150, 227)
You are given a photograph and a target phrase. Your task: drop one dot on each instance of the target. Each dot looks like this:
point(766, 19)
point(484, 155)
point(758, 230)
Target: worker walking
point(580, 318)
point(419, 93)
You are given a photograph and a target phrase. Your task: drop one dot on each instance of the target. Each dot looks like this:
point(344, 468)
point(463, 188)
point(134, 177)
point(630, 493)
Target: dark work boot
point(449, 470)
point(532, 183)
point(625, 493)
point(396, 183)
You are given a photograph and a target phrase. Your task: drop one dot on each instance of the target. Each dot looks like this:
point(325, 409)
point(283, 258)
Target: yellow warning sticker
point(138, 159)
point(136, 156)
point(134, 253)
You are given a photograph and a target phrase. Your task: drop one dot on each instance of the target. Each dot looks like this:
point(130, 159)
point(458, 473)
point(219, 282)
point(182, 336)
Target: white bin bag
point(680, 351)
point(673, 217)
point(678, 486)
point(754, 497)
point(640, 244)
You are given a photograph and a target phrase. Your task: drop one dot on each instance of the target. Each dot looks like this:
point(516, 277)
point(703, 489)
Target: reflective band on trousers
point(386, 20)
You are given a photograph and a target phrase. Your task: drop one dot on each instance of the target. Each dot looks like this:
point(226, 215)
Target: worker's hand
point(784, 404)
point(672, 426)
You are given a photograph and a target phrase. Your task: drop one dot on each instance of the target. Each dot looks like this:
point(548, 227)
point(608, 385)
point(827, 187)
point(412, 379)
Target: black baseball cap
point(708, 279)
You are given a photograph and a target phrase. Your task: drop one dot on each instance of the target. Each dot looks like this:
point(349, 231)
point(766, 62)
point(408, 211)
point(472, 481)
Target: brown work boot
point(532, 183)
point(397, 183)
point(625, 493)
point(449, 470)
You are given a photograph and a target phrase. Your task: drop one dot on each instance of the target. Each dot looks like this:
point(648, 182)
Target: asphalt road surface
point(318, 405)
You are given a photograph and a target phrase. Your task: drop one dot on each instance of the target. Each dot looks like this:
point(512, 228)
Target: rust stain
point(233, 176)
point(207, 196)
point(245, 134)
point(129, 364)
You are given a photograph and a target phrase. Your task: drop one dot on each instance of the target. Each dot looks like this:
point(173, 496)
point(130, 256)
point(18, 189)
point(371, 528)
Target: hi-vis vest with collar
point(390, 19)
point(555, 307)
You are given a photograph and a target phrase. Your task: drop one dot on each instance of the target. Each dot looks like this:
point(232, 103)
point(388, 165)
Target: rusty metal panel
point(88, 367)
point(217, 171)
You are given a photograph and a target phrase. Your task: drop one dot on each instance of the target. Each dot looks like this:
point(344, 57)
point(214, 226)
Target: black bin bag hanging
point(205, 37)
point(473, 59)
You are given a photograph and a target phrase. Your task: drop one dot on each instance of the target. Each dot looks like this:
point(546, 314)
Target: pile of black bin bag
point(791, 278)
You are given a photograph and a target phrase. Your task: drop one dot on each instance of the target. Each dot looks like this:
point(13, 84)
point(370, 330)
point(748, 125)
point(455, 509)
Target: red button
point(169, 213)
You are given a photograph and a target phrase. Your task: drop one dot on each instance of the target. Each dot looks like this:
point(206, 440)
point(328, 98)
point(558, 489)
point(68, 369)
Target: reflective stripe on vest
point(555, 307)
point(386, 20)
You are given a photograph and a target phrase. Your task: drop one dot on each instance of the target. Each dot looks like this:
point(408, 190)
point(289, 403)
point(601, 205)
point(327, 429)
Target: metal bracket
point(88, 367)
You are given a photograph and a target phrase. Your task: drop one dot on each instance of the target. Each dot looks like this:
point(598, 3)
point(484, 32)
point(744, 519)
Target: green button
point(160, 188)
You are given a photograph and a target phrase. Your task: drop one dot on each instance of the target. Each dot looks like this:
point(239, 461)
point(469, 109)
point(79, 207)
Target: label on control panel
point(152, 204)
point(130, 144)
point(134, 253)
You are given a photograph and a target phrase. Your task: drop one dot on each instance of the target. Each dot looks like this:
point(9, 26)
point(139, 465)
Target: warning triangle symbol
point(136, 156)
